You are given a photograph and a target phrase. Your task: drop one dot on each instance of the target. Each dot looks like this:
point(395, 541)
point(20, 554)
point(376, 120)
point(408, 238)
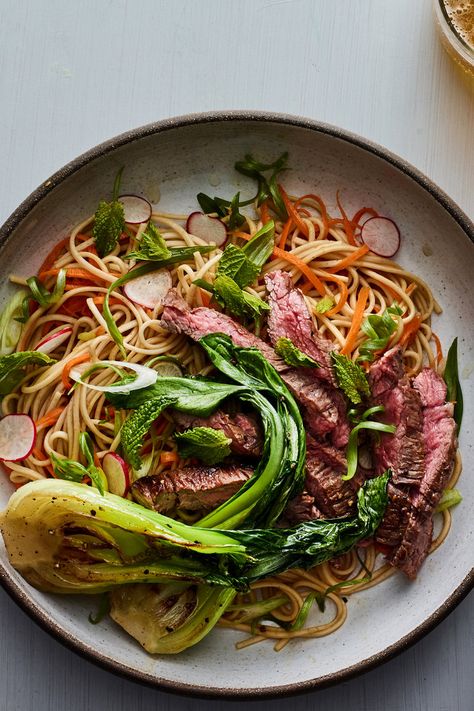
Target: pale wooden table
point(75, 73)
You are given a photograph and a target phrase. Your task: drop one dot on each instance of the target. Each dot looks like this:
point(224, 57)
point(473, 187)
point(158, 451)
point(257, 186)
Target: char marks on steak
point(289, 318)
point(242, 429)
point(325, 465)
point(190, 489)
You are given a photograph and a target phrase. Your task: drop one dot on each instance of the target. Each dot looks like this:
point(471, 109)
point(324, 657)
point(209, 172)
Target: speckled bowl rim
point(21, 597)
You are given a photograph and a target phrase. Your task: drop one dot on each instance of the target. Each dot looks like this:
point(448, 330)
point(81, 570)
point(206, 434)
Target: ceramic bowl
point(171, 161)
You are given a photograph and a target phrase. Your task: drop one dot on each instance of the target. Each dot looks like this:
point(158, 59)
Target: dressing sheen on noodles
point(326, 260)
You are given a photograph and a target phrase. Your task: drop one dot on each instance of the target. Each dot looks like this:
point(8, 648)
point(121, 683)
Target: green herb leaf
point(292, 355)
point(451, 378)
point(12, 367)
point(350, 378)
point(68, 469)
point(152, 246)
point(244, 264)
point(204, 443)
point(109, 221)
point(102, 610)
point(237, 301)
point(96, 474)
point(211, 205)
point(255, 169)
point(325, 304)
point(10, 322)
point(235, 218)
point(449, 498)
point(352, 446)
point(137, 425)
point(378, 330)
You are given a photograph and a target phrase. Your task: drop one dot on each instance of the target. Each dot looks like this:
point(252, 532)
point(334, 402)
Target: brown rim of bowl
point(21, 597)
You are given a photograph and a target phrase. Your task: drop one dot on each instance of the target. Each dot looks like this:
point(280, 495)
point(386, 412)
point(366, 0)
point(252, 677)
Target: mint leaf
point(292, 355)
point(244, 264)
point(237, 301)
point(109, 221)
point(12, 367)
point(137, 425)
point(378, 330)
point(205, 443)
point(350, 378)
point(152, 246)
point(325, 304)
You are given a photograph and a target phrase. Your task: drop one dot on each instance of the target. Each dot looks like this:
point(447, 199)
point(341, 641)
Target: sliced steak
point(403, 452)
point(391, 529)
point(243, 429)
point(324, 405)
point(415, 545)
point(190, 489)
point(301, 508)
point(290, 318)
point(325, 466)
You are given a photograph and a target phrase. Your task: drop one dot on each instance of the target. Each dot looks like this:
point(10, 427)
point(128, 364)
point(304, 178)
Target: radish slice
point(209, 229)
point(136, 209)
point(146, 376)
point(54, 340)
point(17, 437)
point(149, 290)
point(117, 472)
point(381, 235)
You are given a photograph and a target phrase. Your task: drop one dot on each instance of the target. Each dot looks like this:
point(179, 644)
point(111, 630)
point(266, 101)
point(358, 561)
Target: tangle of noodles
point(60, 416)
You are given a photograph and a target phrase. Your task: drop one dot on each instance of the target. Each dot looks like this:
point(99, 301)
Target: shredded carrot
point(410, 288)
point(73, 273)
point(70, 365)
point(359, 214)
point(439, 349)
point(394, 294)
point(99, 300)
point(205, 297)
point(293, 212)
point(264, 213)
point(75, 306)
point(284, 233)
point(306, 287)
point(347, 223)
point(350, 259)
point(410, 330)
point(52, 256)
point(322, 208)
point(167, 458)
point(342, 300)
point(49, 419)
point(356, 320)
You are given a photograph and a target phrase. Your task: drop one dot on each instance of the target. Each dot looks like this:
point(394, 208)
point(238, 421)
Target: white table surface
point(75, 73)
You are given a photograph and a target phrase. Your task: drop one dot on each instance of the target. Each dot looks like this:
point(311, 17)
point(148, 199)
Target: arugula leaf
point(40, 293)
point(12, 367)
point(243, 264)
point(177, 255)
point(152, 246)
point(449, 498)
point(451, 378)
point(109, 221)
point(325, 304)
point(350, 378)
point(378, 330)
point(10, 323)
point(292, 355)
point(237, 301)
point(205, 443)
point(137, 425)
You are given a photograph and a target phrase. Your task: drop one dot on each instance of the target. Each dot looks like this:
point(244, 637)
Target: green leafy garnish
point(451, 378)
point(109, 221)
point(102, 610)
point(152, 246)
point(378, 330)
point(292, 355)
point(350, 378)
point(325, 304)
point(137, 425)
point(95, 473)
point(70, 470)
point(238, 301)
point(177, 255)
point(204, 443)
point(266, 188)
point(244, 264)
point(449, 498)
point(353, 444)
point(10, 322)
point(12, 367)
point(40, 293)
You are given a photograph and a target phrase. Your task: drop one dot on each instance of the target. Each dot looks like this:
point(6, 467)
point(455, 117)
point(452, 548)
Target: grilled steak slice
point(290, 318)
point(301, 508)
point(403, 452)
point(415, 544)
point(325, 466)
point(190, 489)
point(244, 430)
point(391, 529)
point(324, 404)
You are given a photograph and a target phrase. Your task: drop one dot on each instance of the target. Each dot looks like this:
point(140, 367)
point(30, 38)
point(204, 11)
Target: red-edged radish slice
point(136, 209)
point(54, 340)
point(209, 229)
point(149, 290)
point(145, 376)
point(117, 472)
point(17, 437)
point(381, 235)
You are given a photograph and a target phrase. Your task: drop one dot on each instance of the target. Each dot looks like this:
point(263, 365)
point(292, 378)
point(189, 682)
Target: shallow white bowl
point(174, 160)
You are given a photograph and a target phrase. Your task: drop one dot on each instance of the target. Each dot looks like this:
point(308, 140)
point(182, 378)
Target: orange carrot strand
point(284, 233)
point(49, 419)
point(350, 259)
point(70, 365)
point(356, 321)
point(347, 223)
point(293, 213)
point(410, 330)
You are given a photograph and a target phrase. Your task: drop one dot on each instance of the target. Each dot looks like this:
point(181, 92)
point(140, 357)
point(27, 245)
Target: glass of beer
point(455, 19)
